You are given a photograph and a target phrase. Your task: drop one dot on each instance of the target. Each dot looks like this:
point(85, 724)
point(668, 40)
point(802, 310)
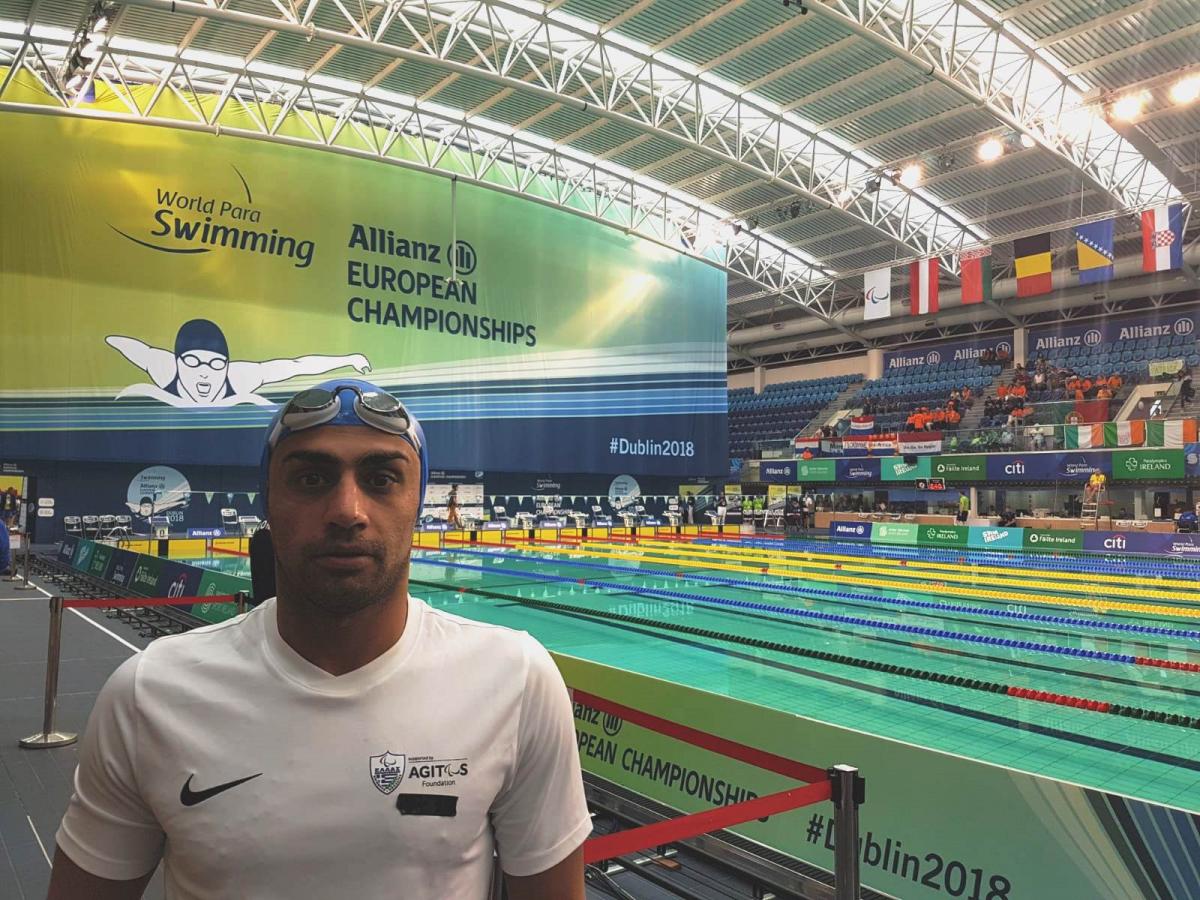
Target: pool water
point(920, 646)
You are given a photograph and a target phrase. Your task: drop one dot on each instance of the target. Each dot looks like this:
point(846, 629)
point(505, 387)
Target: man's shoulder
point(208, 648)
point(498, 645)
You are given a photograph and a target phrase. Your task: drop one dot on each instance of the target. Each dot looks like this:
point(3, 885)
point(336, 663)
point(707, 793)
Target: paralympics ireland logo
point(1131, 464)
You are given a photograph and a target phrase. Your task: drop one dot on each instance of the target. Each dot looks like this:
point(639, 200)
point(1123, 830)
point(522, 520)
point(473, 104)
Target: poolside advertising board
point(903, 533)
point(820, 470)
point(1148, 465)
point(948, 536)
point(862, 469)
point(934, 824)
point(894, 468)
point(995, 537)
point(960, 467)
point(1050, 539)
point(850, 531)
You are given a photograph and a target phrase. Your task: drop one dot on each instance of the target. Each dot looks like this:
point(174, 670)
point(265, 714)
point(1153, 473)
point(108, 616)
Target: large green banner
point(816, 470)
point(966, 467)
point(164, 289)
point(1147, 465)
point(934, 825)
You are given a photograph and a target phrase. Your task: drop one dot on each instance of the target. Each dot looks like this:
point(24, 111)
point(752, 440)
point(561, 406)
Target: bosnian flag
point(923, 286)
point(862, 423)
point(877, 294)
point(1162, 238)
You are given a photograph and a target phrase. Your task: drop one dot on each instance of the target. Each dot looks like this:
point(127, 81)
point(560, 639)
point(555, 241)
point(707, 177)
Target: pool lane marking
point(986, 596)
point(872, 602)
point(1034, 696)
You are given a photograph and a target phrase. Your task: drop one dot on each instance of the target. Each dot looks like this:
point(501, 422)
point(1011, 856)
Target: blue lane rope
point(1034, 646)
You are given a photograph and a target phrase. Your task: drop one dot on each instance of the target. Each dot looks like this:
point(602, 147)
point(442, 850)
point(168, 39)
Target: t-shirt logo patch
point(387, 771)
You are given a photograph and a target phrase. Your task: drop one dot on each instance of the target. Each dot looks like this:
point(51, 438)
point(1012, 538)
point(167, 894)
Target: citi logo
point(1016, 467)
point(1116, 542)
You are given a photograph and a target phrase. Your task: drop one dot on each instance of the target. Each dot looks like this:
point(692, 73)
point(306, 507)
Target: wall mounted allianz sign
point(852, 531)
point(1160, 328)
point(778, 472)
point(943, 353)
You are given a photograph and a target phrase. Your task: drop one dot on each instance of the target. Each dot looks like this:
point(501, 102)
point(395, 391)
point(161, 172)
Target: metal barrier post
point(48, 737)
point(26, 586)
point(849, 790)
point(241, 598)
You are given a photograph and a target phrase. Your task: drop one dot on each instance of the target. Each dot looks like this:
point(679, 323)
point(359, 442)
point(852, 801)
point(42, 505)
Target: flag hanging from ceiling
point(1032, 255)
point(975, 267)
point(1162, 238)
point(1094, 251)
point(877, 294)
point(923, 286)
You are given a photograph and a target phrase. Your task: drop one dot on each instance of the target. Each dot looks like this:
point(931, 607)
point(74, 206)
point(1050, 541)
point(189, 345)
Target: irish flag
point(1106, 434)
point(1174, 433)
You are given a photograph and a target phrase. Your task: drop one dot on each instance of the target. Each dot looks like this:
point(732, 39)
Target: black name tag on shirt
point(427, 805)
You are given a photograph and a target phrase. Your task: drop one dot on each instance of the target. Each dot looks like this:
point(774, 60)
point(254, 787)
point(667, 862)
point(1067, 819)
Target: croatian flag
point(862, 424)
point(923, 287)
point(1162, 238)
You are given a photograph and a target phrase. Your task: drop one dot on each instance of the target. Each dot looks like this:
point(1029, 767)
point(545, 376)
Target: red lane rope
point(128, 603)
point(771, 762)
point(683, 827)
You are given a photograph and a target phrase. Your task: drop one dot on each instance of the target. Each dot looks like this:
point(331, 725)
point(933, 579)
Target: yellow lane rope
point(915, 570)
point(634, 553)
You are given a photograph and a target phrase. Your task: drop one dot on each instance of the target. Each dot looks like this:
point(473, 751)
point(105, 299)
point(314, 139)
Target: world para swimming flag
point(1032, 255)
point(975, 268)
point(1094, 251)
point(1162, 238)
point(923, 286)
point(877, 294)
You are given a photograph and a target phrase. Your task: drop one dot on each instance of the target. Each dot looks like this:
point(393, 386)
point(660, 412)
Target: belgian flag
point(1032, 255)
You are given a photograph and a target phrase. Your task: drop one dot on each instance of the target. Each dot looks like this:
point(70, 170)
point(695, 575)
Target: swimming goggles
point(319, 406)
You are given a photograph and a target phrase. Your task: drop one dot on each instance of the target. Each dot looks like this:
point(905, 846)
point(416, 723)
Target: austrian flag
point(923, 286)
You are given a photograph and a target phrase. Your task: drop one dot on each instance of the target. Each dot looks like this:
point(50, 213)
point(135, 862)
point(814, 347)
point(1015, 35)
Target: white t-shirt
point(254, 773)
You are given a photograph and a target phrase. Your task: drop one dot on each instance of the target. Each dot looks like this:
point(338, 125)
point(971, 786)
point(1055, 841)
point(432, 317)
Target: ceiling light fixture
point(1185, 90)
point(991, 150)
point(910, 175)
point(1129, 108)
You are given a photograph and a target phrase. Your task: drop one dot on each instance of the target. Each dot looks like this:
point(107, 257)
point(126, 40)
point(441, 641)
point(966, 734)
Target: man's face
point(343, 503)
point(202, 374)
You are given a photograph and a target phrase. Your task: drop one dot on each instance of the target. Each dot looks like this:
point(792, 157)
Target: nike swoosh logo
point(188, 797)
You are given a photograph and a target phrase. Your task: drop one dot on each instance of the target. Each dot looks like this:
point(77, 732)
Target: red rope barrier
point(683, 827)
point(134, 602)
point(771, 762)
point(230, 552)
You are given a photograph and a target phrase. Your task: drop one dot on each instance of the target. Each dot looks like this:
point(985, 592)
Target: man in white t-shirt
point(342, 739)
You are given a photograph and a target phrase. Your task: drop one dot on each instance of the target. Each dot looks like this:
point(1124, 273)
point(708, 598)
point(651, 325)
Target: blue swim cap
point(346, 416)
point(201, 334)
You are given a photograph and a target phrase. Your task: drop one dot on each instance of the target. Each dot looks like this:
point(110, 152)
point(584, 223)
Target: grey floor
point(35, 785)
